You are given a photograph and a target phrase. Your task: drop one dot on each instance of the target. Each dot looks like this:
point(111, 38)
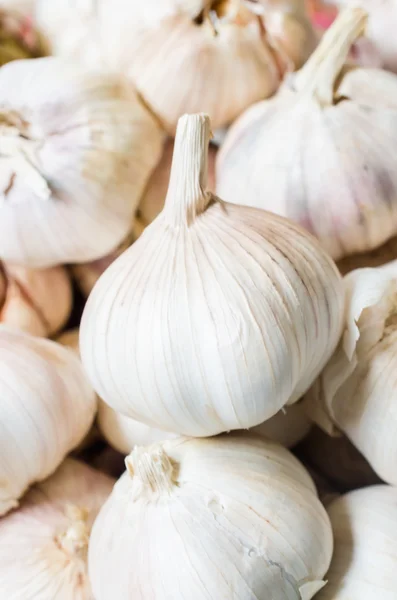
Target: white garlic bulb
point(227, 517)
point(217, 316)
point(218, 56)
point(364, 565)
point(46, 409)
point(321, 151)
point(44, 543)
point(287, 427)
point(33, 300)
point(152, 201)
point(357, 391)
point(76, 152)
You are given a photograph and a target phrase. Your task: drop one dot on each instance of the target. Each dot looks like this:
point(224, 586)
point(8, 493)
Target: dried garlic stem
point(187, 196)
point(318, 76)
point(152, 467)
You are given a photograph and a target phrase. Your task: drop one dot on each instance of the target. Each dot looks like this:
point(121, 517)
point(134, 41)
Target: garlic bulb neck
point(152, 468)
point(74, 540)
point(19, 151)
point(319, 75)
point(187, 196)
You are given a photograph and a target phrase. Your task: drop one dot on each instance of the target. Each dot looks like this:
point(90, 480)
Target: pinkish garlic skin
point(33, 300)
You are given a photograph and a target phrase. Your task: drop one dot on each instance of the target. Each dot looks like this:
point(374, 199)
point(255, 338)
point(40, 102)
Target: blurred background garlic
point(357, 391)
point(152, 202)
point(217, 316)
point(380, 42)
point(47, 408)
point(76, 152)
point(364, 564)
point(232, 516)
point(217, 56)
point(18, 38)
point(321, 152)
point(33, 300)
point(44, 543)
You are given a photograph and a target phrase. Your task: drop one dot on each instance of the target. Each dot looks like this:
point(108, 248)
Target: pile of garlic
point(198, 337)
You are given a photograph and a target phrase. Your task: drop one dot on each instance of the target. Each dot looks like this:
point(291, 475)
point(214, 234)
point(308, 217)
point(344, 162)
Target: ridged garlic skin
point(46, 410)
point(217, 316)
point(78, 151)
point(38, 301)
point(43, 544)
point(364, 564)
point(357, 391)
point(171, 50)
point(321, 151)
point(228, 517)
point(123, 433)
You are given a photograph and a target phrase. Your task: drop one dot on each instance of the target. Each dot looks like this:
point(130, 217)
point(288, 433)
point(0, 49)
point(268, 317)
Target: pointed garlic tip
point(187, 196)
point(152, 467)
point(319, 74)
point(74, 540)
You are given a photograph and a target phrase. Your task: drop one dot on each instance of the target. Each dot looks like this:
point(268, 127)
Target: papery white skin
point(47, 407)
point(184, 55)
point(77, 151)
point(43, 544)
point(364, 564)
point(321, 151)
point(152, 201)
point(35, 301)
point(217, 316)
point(227, 517)
point(287, 427)
point(87, 274)
point(357, 391)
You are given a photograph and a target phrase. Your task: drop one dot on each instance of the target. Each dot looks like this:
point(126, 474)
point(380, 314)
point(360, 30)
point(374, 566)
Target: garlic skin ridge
point(36, 301)
point(322, 148)
point(364, 564)
point(216, 280)
point(349, 395)
point(46, 410)
point(238, 46)
point(44, 543)
point(77, 151)
point(239, 517)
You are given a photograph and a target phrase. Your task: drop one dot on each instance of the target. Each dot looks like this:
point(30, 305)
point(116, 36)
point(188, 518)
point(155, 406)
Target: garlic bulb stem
point(152, 467)
point(186, 197)
point(319, 75)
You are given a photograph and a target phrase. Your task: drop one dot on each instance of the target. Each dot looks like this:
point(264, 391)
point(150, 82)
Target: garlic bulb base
point(152, 468)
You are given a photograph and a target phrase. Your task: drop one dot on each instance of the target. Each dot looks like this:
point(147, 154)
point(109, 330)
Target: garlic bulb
point(321, 151)
point(217, 316)
point(380, 39)
point(227, 517)
point(36, 301)
point(364, 565)
point(77, 151)
point(152, 202)
point(288, 427)
point(218, 56)
point(87, 274)
point(124, 433)
point(357, 391)
point(47, 408)
point(43, 544)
